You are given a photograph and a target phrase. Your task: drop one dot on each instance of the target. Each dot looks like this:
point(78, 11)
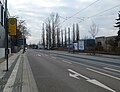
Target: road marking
point(104, 74)
point(53, 57)
point(45, 54)
point(100, 85)
point(113, 66)
point(74, 75)
point(112, 69)
point(99, 69)
point(77, 74)
point(38, 55)
point(93, 81)
point(66, 61)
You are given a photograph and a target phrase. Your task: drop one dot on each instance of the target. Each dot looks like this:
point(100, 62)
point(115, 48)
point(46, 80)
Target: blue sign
point(21, 41)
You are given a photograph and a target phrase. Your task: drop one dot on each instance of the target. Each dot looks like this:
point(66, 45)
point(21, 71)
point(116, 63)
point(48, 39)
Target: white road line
point(45, 54)
point(104, 74)
point(38, 55)
point(100, 85)
point(74, 76)
point(112, 69)
point(77, 74)
point(93, 81)
point(66, 61)
point(42, 54)
point(99, 69)
point(113, 66)
point(53, 57)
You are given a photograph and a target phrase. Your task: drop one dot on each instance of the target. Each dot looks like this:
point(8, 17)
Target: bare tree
point(65, 38)
point(48, 32)
point(69, 37)
point(22, 28)
point(55, 24)
point(62, 37)
point(77, 32)
point(43, 36)
point(94, 30)
point(58, 37)
point(52, 24)
point(73, 32)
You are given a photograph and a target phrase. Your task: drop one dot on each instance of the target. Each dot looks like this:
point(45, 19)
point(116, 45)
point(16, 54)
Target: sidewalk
point(19, 78)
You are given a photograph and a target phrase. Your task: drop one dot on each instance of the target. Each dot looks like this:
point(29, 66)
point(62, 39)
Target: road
point(56, 71)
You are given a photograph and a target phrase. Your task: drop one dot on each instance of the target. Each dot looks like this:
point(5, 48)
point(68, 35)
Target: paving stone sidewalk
point(19, 78)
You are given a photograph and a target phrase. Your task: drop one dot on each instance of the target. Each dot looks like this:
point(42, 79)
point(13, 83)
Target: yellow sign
point(12, 26)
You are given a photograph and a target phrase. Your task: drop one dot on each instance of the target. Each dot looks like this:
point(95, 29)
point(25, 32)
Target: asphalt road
point(62, 72)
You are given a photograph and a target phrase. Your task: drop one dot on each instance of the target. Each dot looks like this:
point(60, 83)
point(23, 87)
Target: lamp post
point(6, 35)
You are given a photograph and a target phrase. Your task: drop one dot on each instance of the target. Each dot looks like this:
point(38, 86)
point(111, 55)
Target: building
point(2, 29)
point(107, 43)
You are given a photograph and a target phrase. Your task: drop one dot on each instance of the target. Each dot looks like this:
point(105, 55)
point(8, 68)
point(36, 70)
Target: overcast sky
point(36, 11)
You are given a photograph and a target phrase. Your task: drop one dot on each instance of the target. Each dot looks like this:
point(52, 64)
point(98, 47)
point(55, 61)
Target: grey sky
point(36, 11)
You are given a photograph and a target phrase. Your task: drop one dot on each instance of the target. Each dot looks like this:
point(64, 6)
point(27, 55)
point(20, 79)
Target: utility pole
point(6, 35)
point(23, 42)
point(118, 26)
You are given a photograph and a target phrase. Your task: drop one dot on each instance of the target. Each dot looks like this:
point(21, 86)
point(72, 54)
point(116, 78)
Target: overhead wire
point(101, 12)
point(80, 11)
point(104, 11)
point(118, 5)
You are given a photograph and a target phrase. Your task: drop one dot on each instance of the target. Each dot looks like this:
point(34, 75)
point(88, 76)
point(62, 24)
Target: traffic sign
point(12, 26)
point(21, 41)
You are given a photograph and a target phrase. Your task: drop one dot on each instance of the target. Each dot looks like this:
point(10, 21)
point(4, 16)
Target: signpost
point(6, 35)
point(21, 41)
point(10, 27)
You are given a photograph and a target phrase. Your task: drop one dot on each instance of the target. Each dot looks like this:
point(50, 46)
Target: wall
point(104, 42)
point(2, 52)
point(2, 37)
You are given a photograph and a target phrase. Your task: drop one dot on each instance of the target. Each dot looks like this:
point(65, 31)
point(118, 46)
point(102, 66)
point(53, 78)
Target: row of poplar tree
point(53, 36)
